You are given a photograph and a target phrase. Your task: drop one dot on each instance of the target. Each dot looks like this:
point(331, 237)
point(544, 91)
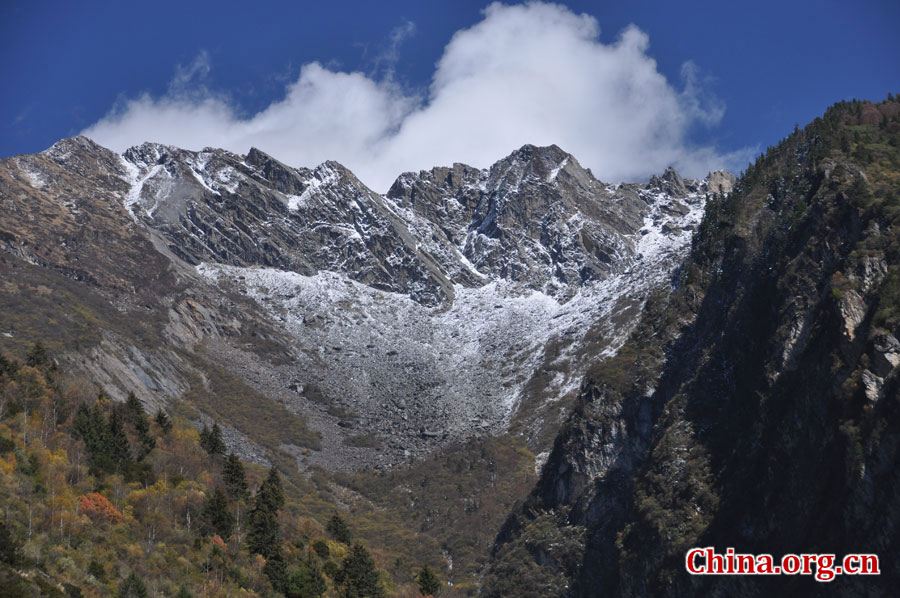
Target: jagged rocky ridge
point(756, 404)
point(463, 302)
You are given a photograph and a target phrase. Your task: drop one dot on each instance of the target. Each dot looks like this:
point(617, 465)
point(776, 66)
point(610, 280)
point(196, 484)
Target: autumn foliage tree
point(110, 499)
point(99, 509)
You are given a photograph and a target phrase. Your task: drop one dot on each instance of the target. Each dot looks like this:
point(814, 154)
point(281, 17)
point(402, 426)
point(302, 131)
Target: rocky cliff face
point(756, 404)
point(463, 303)
point(536, 217)
point(214, 206)
point(63, 210)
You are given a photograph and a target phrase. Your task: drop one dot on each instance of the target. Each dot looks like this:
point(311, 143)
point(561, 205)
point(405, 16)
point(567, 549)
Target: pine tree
point(105, 440)
point(183, 592)
point(164, 422)
point(216, 518)
point(138, 419)
point(37, 356)
point(429, 584)
point(133, 407)
point(216, 444)
point(204, 438)
point(305, 581)
point(133, 587)
point(8, 366)
point(234, 477)
point(148, 442)
point(9, 548)
point(276, 570)
point(358, 576)
point(117, 450)
point(97, 570)
point(88, 426)
point(211, 440)
point(321, 549)
point(264, 535)
point(339, 529)
point(271, 491)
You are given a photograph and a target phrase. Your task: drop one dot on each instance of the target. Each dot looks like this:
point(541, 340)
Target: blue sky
point(166, 68)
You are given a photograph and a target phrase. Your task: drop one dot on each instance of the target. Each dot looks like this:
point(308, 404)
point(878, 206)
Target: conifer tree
point(88, 426)
point(204, 438)
point(429, 584)
point(276, 570)
point(264, 535)
point(163, 421)
point(133, 407)
point(7, 366)
point(117, 449)
point(9, 548)
point(306, 581)
point(138, 420)
point(271, 491)
point(339, 529)
point(358, 576)
point(105, 440)
point(216, 518)
point(133, 587)
point(234, 477)
point(211, 440)
point(37, 356)
point(97, 570)
point(321, 548)
point(216, 444)
point(148, 442)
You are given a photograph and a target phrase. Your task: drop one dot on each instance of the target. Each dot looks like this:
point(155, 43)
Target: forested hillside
point(100, 499)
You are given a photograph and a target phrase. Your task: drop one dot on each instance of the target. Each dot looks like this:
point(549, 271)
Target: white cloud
point(187, 78)
point(534, 73)
point(389, 57)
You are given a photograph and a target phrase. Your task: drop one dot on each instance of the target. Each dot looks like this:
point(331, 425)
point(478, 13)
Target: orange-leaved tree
point(98, 508)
